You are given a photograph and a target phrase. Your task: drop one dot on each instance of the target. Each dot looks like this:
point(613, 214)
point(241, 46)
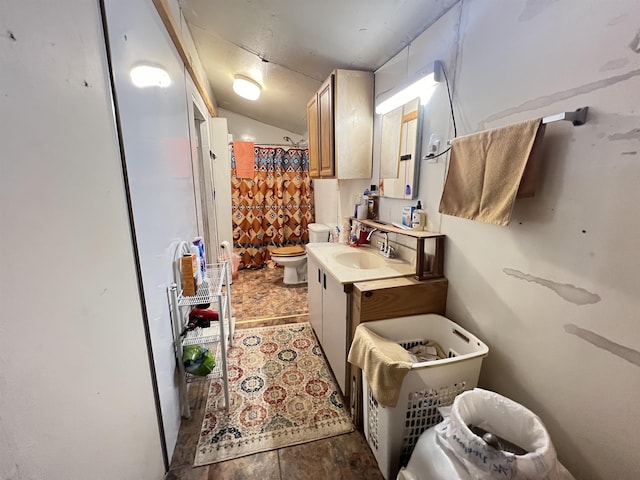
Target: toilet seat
point(292, 251)
point(294, 261)
point(294, 258)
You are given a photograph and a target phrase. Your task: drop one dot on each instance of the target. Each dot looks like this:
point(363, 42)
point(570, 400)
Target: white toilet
point(294, 259)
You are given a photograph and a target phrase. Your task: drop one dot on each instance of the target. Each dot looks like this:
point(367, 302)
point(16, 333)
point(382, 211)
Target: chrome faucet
point(386, 250)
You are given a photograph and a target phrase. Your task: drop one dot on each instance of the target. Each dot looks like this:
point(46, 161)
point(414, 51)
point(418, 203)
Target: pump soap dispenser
point(419, 218)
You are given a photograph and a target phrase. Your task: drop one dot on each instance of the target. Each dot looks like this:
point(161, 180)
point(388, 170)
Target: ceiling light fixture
point(147, 76)
point(422, 88)
point(246, 88)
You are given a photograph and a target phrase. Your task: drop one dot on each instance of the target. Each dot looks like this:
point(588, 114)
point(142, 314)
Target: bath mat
point(281, 392)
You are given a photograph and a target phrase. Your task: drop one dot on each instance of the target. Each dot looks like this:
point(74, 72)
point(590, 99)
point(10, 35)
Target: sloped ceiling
point(290, 47)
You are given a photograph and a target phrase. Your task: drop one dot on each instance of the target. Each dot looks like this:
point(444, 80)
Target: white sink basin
point(360, 259)
point(349, 265)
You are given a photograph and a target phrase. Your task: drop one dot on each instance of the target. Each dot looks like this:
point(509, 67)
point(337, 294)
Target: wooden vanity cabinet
point(340, 124)
point(384, 299)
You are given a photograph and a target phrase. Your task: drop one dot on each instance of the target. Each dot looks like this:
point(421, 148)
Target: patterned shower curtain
point(273, 208)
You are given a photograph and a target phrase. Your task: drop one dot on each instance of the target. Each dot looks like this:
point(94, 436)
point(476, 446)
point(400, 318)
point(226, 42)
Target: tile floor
point(259, 298)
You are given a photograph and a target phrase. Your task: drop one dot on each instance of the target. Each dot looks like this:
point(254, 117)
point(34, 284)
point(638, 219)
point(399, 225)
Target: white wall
point(155, 125)
point(326, 198)
point(554, 294)
point(246, 129)
point(75, 386)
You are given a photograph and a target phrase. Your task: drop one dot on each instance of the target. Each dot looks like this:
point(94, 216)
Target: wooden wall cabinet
point(313, 116)
point(340, 123)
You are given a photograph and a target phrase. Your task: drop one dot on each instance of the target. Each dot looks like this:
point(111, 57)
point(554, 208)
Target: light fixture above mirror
point(422, 88)
point(246, 87)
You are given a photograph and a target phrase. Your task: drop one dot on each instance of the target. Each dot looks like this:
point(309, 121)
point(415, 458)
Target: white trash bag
point(452, 450)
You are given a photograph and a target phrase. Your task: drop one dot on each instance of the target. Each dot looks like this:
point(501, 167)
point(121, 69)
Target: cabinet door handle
point(319, 281)
point(324, 280)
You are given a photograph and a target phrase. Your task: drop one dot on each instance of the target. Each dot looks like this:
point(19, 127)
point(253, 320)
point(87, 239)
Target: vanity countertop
point(341, 262)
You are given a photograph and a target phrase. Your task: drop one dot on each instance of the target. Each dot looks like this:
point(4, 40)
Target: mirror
point(401, 139)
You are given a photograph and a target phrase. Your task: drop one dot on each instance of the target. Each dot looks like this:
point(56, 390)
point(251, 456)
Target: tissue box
point(407, 215)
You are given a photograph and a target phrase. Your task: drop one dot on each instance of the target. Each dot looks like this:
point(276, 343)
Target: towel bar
point(578, 117)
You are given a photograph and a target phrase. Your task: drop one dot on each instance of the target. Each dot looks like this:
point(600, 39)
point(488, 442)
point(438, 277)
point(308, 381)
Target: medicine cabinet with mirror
point(401, 141)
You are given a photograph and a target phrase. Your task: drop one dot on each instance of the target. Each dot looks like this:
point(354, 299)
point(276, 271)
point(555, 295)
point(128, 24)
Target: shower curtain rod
point(278, 145)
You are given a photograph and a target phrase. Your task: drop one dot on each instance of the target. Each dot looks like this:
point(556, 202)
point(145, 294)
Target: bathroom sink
point(360, 260)
point(349, 265)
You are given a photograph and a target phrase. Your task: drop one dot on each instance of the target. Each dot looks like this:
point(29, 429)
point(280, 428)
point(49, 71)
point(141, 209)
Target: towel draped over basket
point(384, 363)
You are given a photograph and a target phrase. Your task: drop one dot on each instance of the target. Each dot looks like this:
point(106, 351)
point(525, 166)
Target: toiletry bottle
point(372, 213)
point(353, 237)
point(199, 242)
point(362, 236)
point(418, 218)
point(361, 211)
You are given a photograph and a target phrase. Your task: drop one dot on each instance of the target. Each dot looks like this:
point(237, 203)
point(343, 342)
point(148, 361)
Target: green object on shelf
point(198, 360)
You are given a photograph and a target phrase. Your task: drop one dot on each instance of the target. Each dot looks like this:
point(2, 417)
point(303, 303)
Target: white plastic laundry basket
point(392, 432)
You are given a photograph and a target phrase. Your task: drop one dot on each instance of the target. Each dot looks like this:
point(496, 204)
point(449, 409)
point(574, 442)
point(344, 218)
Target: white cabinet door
point(334, 327)
point(314, 294)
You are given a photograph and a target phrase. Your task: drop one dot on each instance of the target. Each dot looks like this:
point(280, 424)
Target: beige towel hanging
point(384, 363)
point(489, 169)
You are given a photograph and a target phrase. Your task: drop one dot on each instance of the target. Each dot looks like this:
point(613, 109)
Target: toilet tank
point(318, 233)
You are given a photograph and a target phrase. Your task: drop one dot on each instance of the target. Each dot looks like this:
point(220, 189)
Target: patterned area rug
point(282, 394)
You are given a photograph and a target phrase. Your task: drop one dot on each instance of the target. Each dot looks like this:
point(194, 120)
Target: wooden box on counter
point(384, 299)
